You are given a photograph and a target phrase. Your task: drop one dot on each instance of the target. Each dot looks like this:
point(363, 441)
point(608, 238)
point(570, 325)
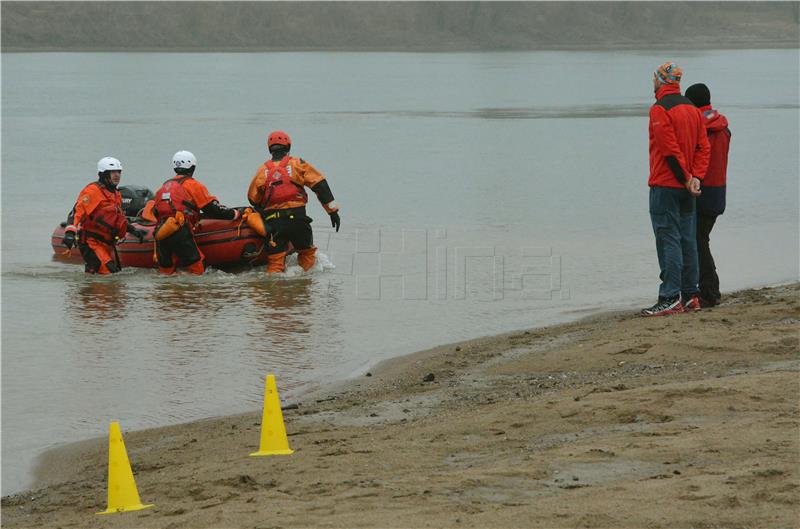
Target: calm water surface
point(480, 193)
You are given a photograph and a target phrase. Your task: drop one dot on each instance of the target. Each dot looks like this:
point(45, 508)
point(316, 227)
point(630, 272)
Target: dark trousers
point(292, 226)
point(179, 249)
point(709, 281)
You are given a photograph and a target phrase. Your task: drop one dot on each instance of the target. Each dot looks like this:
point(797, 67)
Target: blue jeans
point(672, 212)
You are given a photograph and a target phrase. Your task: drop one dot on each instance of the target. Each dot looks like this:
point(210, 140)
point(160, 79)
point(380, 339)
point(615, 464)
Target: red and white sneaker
point(693, 305)
point(664, 307)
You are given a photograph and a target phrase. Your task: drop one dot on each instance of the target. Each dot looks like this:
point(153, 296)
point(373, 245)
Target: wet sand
point(614, 421)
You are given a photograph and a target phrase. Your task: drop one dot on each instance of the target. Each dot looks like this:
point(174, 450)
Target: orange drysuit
point(278, 191)
point(100, 221)
point(181, 249)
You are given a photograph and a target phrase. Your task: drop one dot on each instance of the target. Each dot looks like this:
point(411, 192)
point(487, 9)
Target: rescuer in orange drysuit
point(278, 193)
point(178, 205)
point(98, 221)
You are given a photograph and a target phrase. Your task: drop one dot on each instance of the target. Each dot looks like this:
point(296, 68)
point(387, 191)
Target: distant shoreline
point(688, 46)
point(430, 26)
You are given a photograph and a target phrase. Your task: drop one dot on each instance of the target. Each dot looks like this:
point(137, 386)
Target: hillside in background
point(205, 26)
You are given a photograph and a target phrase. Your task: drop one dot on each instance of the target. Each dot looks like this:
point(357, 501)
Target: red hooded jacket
point(678, 141)
point(712, 200)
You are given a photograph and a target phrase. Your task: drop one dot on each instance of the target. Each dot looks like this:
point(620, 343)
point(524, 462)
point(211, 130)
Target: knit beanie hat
point(669, 73)
point(699, 95)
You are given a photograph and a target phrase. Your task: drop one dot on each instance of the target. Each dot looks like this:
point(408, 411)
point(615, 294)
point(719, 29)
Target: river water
point(480, 193)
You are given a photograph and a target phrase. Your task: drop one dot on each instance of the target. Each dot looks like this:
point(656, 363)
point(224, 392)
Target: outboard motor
point(134, 198)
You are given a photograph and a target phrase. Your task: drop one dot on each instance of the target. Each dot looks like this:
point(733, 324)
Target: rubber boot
point(276, 262)
point(110, 268)
point(197, 268)
point(307, 257)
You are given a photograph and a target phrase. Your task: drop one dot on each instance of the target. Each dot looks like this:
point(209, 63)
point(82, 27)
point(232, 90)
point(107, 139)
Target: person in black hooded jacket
point(711, 202)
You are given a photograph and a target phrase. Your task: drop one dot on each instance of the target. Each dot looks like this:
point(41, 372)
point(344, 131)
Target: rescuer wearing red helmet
point(278, 193)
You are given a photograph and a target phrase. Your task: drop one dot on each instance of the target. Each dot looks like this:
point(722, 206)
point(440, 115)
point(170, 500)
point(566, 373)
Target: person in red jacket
point(97, 221)
point(711, 202)
point(679, 153)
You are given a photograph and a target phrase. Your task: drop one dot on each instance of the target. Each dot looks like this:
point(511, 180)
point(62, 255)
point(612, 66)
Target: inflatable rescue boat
point(224, 243)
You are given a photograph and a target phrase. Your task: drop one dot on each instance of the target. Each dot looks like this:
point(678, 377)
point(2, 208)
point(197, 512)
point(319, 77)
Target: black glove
point(215, 210)
point(139, 234)
point(335, 220)
point(69, 239)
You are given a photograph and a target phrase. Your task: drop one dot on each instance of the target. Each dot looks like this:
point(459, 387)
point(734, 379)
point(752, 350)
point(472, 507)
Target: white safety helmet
point(108, 164)
point(184, 160)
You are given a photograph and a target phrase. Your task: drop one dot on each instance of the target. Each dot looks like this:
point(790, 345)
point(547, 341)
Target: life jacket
point(107, 221)
point(171, 198)
point(279, 186)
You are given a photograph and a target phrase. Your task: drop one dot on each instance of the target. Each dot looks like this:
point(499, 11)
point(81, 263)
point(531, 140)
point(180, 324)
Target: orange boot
point(276, 262)
point(196, 268)
point(307, 257)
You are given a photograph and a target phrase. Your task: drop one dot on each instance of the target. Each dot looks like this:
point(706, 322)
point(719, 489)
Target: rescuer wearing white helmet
point(98, 220)
point(178, 205)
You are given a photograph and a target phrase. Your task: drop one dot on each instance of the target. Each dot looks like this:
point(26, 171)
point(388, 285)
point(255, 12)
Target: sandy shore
point(613, 421)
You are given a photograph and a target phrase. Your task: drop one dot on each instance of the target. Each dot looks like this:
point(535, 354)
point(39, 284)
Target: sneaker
point(664, 307)
point(693, 304)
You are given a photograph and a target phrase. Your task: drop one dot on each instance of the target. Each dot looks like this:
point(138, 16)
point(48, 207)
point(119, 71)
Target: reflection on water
point(185, 298)
point(97, 300)
point(245, 312)
point(279, 295)
point(282, 307)
point(109, 298)
point(281, 316)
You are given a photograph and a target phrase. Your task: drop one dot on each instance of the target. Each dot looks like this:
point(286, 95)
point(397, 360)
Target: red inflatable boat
point(225, 244)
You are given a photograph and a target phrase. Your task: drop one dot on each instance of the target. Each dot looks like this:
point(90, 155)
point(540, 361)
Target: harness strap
point(93, 235)
point(104, 223)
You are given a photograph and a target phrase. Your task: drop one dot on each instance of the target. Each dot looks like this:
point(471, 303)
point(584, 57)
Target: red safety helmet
point(278, 137)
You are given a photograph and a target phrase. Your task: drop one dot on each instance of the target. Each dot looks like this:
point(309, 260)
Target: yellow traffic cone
point(122, 493)
point(273, 431)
